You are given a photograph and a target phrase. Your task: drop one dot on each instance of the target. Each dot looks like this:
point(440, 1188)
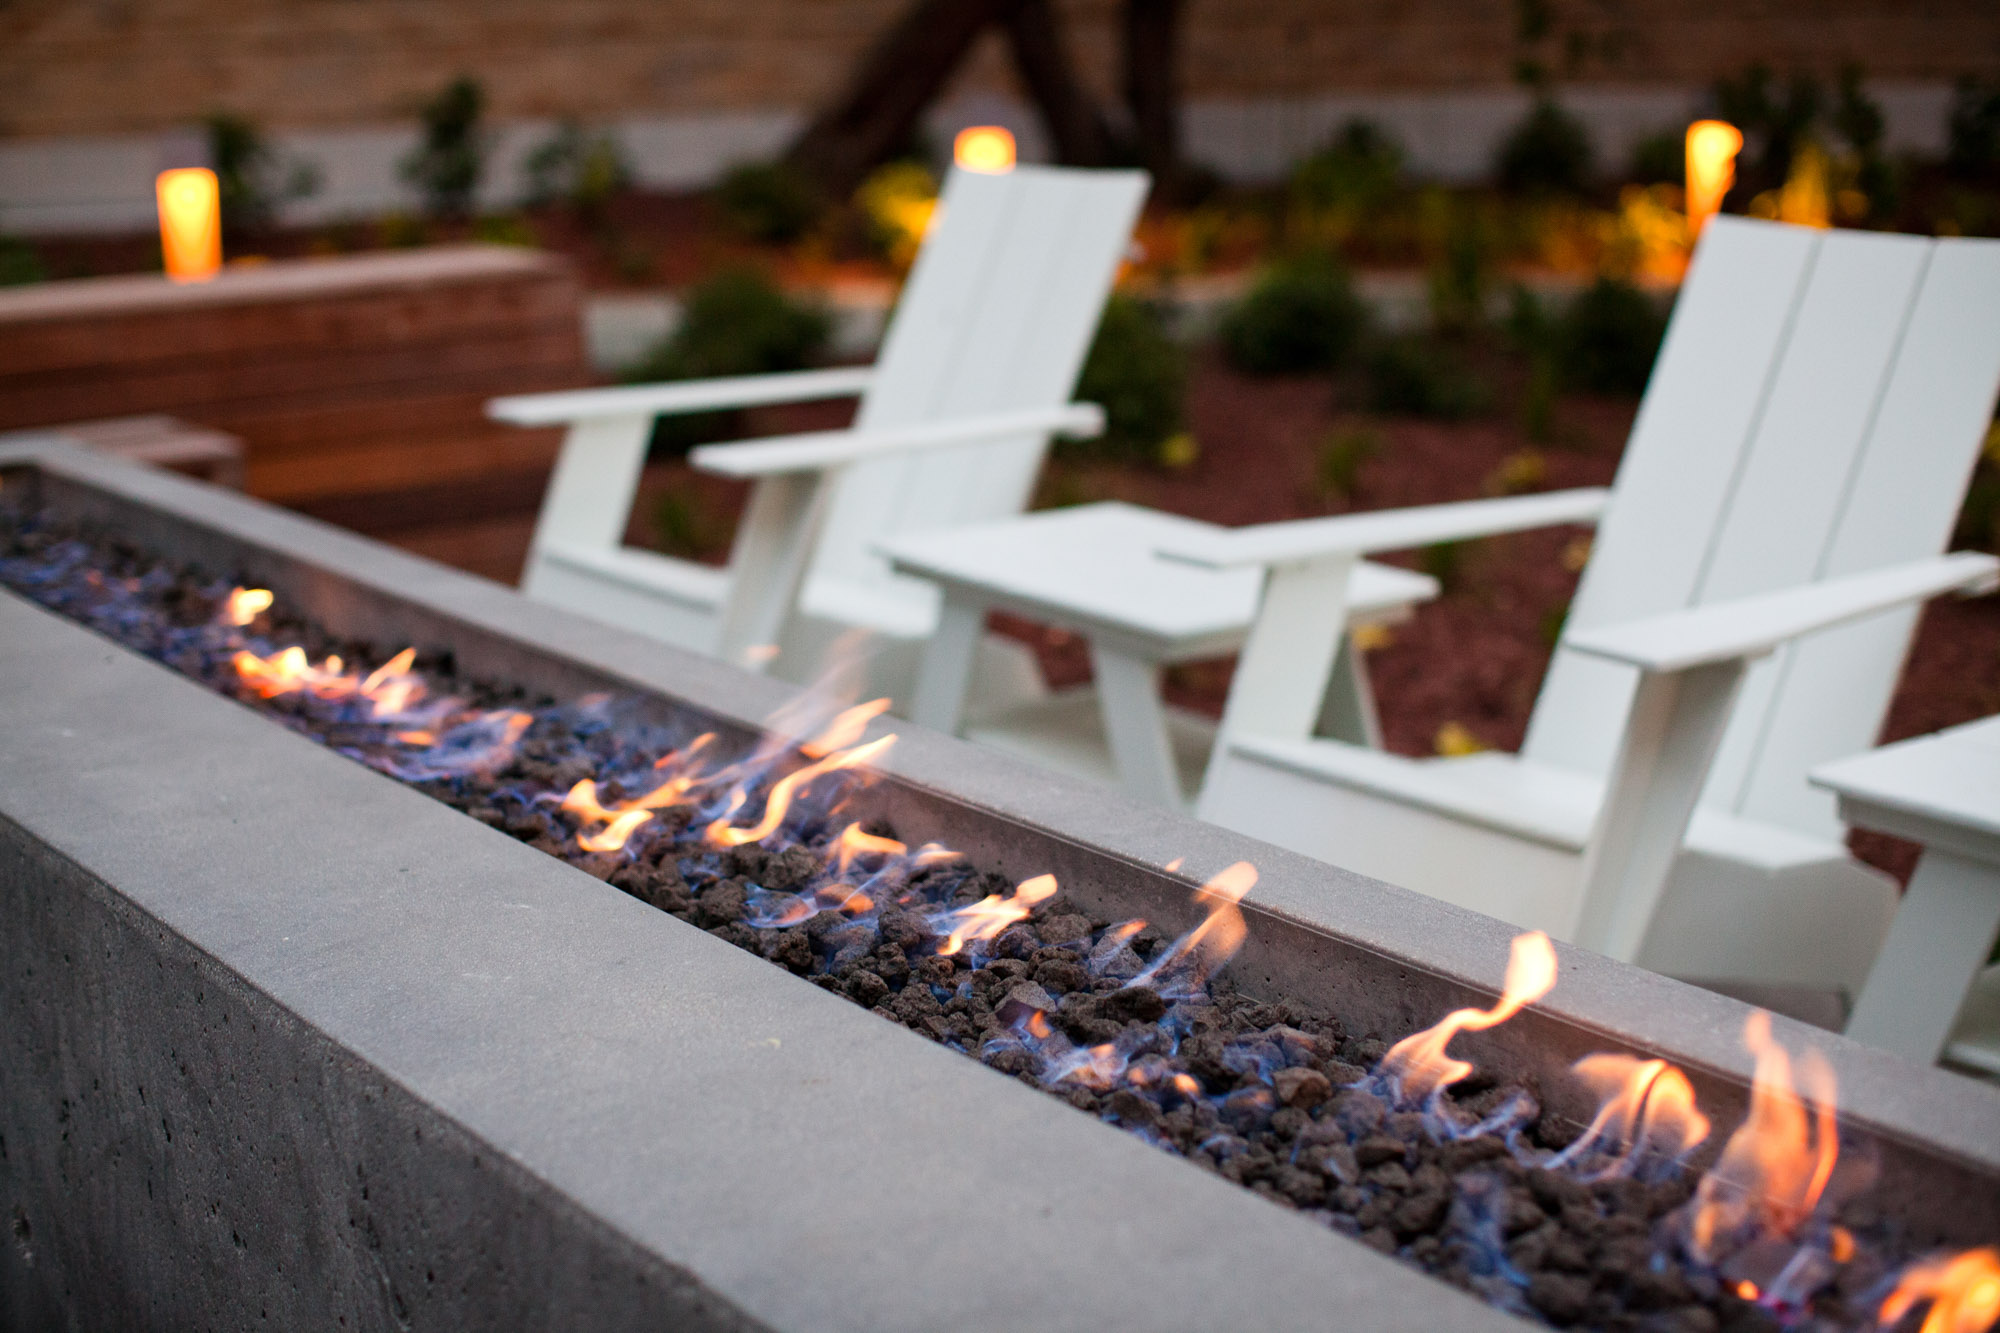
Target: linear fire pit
point(285, 1036)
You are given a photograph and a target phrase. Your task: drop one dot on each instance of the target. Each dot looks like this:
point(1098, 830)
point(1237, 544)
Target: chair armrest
point(818, 450)
point(1749, 627)
point(576, 405)
point(1386, 530)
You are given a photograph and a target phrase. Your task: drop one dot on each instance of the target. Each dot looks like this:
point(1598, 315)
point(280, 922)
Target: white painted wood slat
point(1700, 409)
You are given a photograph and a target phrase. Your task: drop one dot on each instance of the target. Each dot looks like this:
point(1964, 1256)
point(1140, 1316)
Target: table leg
point(1937, 944)
point(946, 670)
point(1128, 692)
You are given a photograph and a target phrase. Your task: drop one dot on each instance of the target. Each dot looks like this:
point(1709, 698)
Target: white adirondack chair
point(1796, 466)
point(974, 375)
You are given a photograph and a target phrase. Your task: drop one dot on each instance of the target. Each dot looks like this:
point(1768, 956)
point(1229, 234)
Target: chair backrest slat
point(1700, 409)
point(1901, 501)
point(1797, 475)
point(996, 315)
point(1840, 441)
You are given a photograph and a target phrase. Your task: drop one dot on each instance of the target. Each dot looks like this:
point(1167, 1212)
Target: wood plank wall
point(355, 382)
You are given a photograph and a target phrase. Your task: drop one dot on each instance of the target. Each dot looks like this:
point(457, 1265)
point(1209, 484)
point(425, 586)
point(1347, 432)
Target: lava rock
point(1304, 1088)
point(1559, 1297)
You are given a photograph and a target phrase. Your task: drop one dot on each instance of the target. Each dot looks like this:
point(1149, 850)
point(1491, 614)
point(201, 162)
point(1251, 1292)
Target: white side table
point(1931, 992)
point(1091, 570)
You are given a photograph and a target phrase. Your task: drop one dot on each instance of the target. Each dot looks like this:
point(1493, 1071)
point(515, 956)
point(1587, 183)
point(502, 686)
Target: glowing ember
point(1418, 1065)
point(245, 605)
point(1776, 1165)
point(1648, 1109)
point(993, 913)
point(1963, 1291)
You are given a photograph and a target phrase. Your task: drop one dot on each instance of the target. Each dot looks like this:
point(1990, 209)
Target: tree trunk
point(1152, 86)
point(1076, 127)
point(889, 90)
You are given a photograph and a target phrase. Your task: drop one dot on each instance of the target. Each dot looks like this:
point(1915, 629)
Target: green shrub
point(506, 229)
point(1462, 274)
point(683, 526)
point(1359, 169)
point(1424, 376)
point(447, 165)
point(1301, 315)
point(1338, 463)
point(1776, 122)
point(1549, 152)
point(769, 202)
point(1660, 159)
point(252, 184)
point(737, 322)
point(574, 167)
point(19, 263)
point(1979, 518)
point(1139, 375)
point(1608, 338)
point(1972, 149)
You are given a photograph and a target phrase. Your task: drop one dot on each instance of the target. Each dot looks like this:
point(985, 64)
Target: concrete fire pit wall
point(1379, 955)
point(282, 1038)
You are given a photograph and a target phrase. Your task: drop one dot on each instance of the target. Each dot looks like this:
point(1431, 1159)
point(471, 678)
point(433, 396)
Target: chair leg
point(773, 543)
point(1937, 945)
point(1670, 741)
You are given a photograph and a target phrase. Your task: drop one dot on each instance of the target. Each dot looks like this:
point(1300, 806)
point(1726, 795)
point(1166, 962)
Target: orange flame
point(1121, 932)
point(391, 687)
point(1648, 1104)
point(625, 818)
point(1963, 1291)
point(1419, 1064)
point(288, 671)
point(845, 729)
point(245, 605)
point(852, 842)
point(1216, 940)
point(1096, 1068)
point(779, 802)
point(993, 914)
point(1776, 1165)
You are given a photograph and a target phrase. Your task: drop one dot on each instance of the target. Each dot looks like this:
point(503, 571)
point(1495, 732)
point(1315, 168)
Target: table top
point(1950, 780)
point(1092, 568)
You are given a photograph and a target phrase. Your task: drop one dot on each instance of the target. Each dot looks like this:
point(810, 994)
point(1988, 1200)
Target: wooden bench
point(167, 442)
point(356, 383)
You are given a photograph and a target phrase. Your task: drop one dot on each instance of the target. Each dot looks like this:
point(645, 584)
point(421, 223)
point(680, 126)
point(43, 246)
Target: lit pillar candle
point(190, 223)
point(986, 148)
point(1712, 146)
